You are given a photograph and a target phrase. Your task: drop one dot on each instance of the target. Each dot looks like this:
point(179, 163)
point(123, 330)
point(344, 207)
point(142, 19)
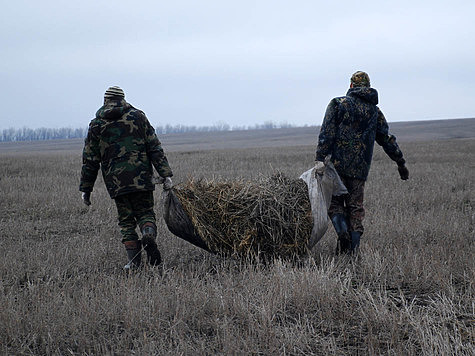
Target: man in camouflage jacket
point(351, 125)
point(123, 143)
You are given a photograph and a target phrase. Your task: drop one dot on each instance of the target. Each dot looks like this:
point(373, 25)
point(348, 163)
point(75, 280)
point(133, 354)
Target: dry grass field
point(411, 291)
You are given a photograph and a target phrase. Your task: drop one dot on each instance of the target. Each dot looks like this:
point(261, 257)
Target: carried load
point(273, 217)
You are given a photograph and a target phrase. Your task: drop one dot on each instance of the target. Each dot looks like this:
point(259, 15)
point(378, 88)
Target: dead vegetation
point(260, 219)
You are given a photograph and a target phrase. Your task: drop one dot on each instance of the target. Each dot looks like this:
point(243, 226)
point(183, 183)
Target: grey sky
point(242, 62)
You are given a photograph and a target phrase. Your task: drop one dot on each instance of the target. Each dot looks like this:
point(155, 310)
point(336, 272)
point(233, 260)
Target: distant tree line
point(43, 133)
point(218, 127)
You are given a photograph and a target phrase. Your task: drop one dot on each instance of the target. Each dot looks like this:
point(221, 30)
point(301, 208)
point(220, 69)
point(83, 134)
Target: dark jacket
point(122, 142)
point(351, 125)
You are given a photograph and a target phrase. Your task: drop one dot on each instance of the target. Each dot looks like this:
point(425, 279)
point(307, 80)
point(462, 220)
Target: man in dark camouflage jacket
point(121, 141)
point(351, 125)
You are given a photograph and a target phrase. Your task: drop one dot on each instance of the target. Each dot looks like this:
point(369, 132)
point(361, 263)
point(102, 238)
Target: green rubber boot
point(134, 254)
point(149, 233)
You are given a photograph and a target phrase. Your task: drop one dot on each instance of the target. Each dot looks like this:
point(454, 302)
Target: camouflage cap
point(360, 79)
point(114, 91)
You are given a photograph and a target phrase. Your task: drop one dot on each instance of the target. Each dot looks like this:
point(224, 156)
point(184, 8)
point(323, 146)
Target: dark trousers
point(351, 204)
point(134, 209)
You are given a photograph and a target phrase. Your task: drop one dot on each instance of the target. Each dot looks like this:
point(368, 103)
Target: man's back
point(122, 140)
point(121, 132)
point(350, 130)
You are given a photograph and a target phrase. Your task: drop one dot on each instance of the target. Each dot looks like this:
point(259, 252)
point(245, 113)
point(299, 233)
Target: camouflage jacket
point(122, 142)
point(351, 125)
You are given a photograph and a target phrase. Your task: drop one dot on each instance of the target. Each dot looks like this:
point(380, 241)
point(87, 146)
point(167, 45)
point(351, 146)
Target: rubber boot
point(134, 254)
point(355, 241)
point(149, 233)
point(344, 238)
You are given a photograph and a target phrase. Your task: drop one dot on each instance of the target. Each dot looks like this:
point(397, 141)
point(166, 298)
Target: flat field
point(410, 292)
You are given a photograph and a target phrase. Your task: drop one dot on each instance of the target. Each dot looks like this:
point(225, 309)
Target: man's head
point(114, 93)
point(360, 79)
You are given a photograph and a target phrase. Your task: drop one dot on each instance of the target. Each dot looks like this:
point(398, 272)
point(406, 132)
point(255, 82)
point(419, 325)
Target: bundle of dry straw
point(267, 218)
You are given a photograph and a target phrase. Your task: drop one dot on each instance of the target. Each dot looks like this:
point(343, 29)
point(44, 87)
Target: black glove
point(86, 198)
point(403, 172)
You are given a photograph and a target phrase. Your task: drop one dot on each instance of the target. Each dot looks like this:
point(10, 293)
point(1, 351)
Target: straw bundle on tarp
point(270, 217)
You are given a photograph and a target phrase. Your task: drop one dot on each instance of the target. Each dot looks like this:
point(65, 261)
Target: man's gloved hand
point(403, 172)
point(167, 184)
point(86, 198)
point(319, 167)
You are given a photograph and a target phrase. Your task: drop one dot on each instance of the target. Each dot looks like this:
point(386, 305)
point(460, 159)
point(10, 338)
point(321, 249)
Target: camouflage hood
point(113, 109)
point(364, 93)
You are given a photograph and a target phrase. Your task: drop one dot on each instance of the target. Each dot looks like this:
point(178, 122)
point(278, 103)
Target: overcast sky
point(236, 62)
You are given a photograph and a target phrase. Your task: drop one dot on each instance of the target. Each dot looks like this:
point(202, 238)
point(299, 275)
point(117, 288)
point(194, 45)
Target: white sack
point(322, 181)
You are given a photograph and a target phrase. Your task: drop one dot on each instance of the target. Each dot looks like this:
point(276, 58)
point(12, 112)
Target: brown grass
point(260, 219)
point(63, 292)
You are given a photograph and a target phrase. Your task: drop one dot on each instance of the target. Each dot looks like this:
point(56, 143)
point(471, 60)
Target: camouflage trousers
point(134, 209)
point(351, 204)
